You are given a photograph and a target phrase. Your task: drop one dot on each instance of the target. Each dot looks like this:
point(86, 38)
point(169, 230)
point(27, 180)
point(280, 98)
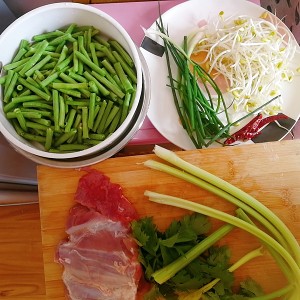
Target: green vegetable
point(286, 254)
point(198, 109)
point(59, 78)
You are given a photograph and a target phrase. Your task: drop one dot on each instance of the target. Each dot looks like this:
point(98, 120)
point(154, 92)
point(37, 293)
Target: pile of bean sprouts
point(254, 55)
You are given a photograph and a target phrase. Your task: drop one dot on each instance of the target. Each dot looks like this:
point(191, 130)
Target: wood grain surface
point(270, 172)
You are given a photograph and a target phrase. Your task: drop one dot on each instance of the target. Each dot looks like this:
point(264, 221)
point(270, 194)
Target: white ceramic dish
point(49, 18)
point(190, 13)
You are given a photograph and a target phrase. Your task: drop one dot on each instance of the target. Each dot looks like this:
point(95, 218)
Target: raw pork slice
point(100, 257)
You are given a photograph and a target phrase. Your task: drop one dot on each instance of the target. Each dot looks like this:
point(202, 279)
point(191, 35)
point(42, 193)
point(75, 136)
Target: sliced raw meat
point(100, 257)
point(96, 191)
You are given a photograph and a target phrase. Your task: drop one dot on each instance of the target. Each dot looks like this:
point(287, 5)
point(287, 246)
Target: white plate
point(180, 21)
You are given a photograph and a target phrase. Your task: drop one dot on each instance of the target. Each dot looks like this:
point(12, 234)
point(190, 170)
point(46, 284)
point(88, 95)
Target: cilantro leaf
point(146, 233)
point(251, 288)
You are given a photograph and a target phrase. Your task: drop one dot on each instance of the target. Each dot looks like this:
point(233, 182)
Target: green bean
point(47, 35)
point(44, 113)
point(2, 79)
point(37, 104)
point(71, 28)
point(19, 54)
point(85, 131)
point(60, 85)
point(77, 76)
point(55, 99)
point(80, 67)
point(64, 137)
point(75, 58)
point(9, 76)
point(73, 147)
point(91, 142)
point(108, 66)
point(62, 39)
point(26, 92)
point(77, 103)
point(38, 66)
point(123, 78)
point(73, 93)
point(132, 96)
point(35, 125)
point(81, 47)
point(41, 121)
point(49, 66)
point(59, 47)
point(93, 54)
point(91, 111)
point(39, 75)
point(114, 88)
point(32, 137)
point(70, 120)
point(125, 107)
point(21, 119)
point(16, 64)
point(99, 115)
point(89, 63)
point(127, 69)
point(114, 82)
point(100, 54)
point(38, 132)
point(123, 53)
point(88, 39)
point(62, 112)
point(8, 93)
point(34, 89)
point(79, 134)
point(49, 79)
point(111, 116)
point(64, 63)
point(108, 108)
point(100, 40)
point(35, 58)
point(107, 53)
point(100, 87)
point(20, 99)
point(33, 82)
point(69, 79)
point(19, 87)
point(28, 115)
point(93, 87)
point(49, 139)
point(62, 56)
point(115, 122)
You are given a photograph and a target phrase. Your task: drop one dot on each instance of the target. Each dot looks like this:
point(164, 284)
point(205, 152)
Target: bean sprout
point(253, 55)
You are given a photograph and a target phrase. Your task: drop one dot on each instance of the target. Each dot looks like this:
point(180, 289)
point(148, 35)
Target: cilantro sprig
point(177, 262)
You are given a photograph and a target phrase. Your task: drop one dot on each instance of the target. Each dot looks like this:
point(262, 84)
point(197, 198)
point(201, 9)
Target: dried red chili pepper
point(270, 119)
point(251, 130)
point(241, 134)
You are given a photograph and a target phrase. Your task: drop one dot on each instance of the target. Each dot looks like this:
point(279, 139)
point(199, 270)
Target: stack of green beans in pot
point(68, 89)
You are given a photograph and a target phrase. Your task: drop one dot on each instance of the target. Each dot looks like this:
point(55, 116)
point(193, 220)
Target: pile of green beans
point(68, 89)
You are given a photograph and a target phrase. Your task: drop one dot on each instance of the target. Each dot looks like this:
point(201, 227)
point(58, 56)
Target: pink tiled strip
point(133, 16)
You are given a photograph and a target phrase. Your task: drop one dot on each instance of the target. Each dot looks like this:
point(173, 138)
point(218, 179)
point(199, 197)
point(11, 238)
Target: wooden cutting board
point(270, 172)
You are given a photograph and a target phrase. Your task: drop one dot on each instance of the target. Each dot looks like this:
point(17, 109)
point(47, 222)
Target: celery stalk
point(215, 190)
point(214, 213)
point(172, 158)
